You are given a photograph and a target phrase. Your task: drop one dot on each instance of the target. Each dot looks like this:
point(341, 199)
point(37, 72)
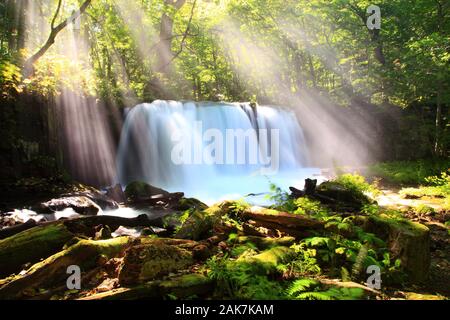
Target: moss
point(409, 241)
point(186, 286)
point(152, 260)
point(200, 223)
point(404, 225)
point(190, 203)
point(271, 258)
point(343, 194)
point(418, 296)
point(31, 245)
point(265, 243)
point(52, 271)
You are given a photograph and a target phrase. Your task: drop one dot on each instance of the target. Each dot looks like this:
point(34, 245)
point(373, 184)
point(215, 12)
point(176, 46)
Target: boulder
point(116, 193)
point(140, 190)
point(80, 204)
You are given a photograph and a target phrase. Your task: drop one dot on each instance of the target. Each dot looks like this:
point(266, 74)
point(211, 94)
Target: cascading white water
point(154, 132)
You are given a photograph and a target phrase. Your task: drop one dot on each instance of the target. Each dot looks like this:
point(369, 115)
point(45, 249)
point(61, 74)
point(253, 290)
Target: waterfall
point(206, 167)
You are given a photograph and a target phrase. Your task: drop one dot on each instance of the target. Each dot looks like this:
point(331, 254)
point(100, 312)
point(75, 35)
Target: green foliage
point(409, 172)
point(305, 261)
point(248, 248)
point(309, 289)
point(356, 183)
point(238, 207)
point(242, 280)
point(310, 207)
point(10, 77)
point(281, 199)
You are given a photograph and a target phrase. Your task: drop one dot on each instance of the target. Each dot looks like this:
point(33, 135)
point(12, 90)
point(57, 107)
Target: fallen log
point(32, 245)
point(283, 219)
point(52, 271)
point(9, 232)
point(280, 230)
point(182, 287)
point(46, 239)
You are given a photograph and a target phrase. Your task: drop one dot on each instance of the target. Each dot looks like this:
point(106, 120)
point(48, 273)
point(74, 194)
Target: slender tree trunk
point(437, 143)
point(164, 48)
point(438, 129)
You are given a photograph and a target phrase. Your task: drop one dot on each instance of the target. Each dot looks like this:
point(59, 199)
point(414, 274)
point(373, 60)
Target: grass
point(408, 172)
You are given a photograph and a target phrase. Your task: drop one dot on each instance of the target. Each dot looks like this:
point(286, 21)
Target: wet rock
point(80, 204)
point(116, 193)
point(140, 191)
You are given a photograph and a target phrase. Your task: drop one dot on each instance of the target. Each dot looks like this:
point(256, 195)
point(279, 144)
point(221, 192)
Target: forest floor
point(314, 246)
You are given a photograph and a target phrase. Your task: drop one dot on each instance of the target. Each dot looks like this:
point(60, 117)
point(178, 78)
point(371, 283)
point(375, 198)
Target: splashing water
point(149, 142)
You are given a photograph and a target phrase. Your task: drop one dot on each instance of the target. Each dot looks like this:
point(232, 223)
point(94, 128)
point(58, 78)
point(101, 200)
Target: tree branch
point(29, 64)
point(56, 15)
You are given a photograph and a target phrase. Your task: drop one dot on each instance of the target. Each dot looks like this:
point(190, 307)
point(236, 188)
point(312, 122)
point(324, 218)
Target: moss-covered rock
point(200, 224)
point(152, 260)
point(266, 243)
point(409, 241)
point(271, 258)
point(190, 203)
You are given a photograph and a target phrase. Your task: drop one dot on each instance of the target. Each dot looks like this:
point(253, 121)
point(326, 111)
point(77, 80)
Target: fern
point(301, 286)
point(314, 296)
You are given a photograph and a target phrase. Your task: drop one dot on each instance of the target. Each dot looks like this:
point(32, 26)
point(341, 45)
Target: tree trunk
point(164, 48)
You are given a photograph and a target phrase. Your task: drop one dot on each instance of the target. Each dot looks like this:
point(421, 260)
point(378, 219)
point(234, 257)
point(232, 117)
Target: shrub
point(356, 183)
